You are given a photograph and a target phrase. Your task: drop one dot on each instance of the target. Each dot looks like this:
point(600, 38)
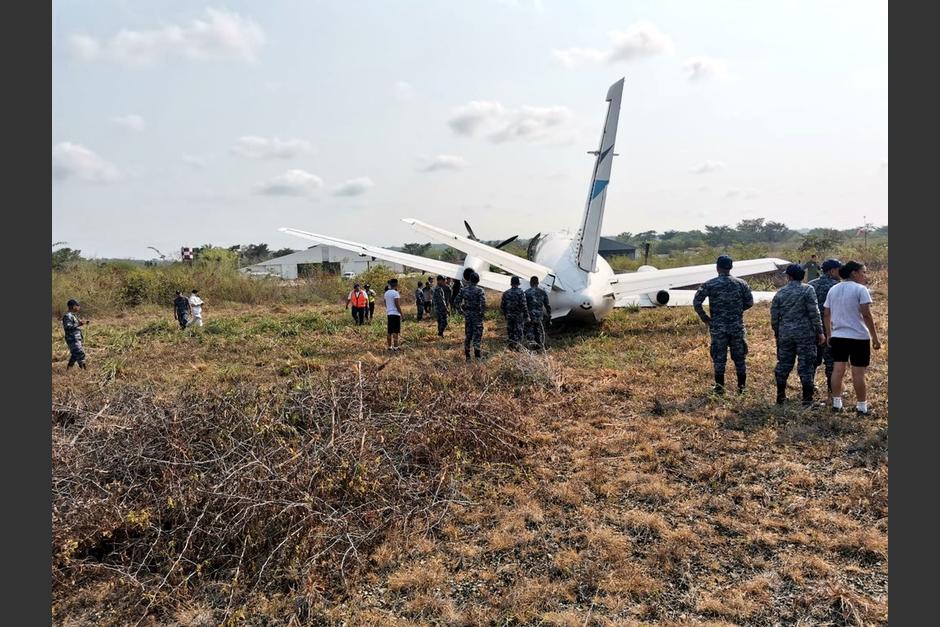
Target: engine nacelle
point(659, 298)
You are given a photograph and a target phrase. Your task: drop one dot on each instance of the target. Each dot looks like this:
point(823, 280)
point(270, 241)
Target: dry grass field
point(279, 467)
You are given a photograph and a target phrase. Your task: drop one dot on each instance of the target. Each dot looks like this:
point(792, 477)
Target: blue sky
point(178, 123)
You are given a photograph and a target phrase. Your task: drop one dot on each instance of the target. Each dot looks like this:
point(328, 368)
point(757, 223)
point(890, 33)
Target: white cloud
point(354, 187)
point(709, 166)
point(291, 183)
point(131, 122)
point(84, 48)
point(255, 147)
point(703, 68)
point(75, 161)
point(444, 162)
point(638, 41)
point(195, 161)
point(404, 91)
point(502, 124)
point(222, 34)
point(735, 192)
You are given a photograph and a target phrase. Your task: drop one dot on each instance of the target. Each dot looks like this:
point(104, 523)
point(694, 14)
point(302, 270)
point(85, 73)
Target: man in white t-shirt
point(850, 332)
point(195, 304)
point(393, 311)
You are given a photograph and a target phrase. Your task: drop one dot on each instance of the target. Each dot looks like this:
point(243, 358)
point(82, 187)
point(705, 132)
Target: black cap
point(195, 291)
point(795, 271)
point(831, 264)
point(514, 280)
point(724, 262)
point(72, 302)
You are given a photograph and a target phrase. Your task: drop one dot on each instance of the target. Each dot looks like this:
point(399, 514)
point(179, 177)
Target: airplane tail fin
point(590, 233)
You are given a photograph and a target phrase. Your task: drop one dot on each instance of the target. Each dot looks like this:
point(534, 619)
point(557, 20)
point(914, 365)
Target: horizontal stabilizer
point(490, 280)
point(493, 256)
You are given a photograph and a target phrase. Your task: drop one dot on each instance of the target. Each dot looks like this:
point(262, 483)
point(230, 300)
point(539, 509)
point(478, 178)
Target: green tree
point(775, 231)
point(718, 235)
point(65, 257)
point(221, 257)
point(750, 230)
point(416, 249)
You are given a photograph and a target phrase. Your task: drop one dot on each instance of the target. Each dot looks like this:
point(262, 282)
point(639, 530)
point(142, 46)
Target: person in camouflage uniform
point(514, 308)
point(798, 328)
point(471, 301)
point(728, 298)
point(439, 297)
point(72, 324)
point(538, 308)
point(419, 300)
point(830, 277)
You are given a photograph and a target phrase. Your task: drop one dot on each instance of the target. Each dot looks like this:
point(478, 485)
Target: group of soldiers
point(808, 328)
point(525, 311)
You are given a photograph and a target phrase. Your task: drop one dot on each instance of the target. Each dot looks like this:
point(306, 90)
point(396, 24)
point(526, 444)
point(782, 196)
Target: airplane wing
point(489, 280)
point(677, 298)
point(636, 283)
point(494, 256)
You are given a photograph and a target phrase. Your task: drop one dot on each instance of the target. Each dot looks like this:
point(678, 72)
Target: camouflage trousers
point(472, 332)
point(77, 351)
point(515, 330)
point(824, 354)
point(441, 322)
point(535, 332)
point(722, 341)
point(789, 350)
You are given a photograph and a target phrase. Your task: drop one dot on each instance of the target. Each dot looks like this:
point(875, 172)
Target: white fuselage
point(581, 296)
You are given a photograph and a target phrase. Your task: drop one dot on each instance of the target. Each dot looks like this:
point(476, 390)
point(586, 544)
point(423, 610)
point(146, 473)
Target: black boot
point(467, 354)
point(81, 365)
point(781, 393)
point(808, 395)
point(477, 354)
point(719, 383)
point(742, 381)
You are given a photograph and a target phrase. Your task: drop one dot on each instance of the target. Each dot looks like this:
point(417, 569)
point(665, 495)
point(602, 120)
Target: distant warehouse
point(318, 258)
point(613, 248)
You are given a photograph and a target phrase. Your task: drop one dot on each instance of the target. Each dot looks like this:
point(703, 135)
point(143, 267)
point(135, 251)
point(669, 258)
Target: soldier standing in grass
point(830, 277)
point(472, 302)
point(514, 308)
point(538, 309)
point(798, 328)
point(812, 268)
point(181, 309)
point(439, 299)
point(728, 298)
point(72, 324)
point(419, 300)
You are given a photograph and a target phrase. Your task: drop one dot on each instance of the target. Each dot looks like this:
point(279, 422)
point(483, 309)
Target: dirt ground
point(623, 492)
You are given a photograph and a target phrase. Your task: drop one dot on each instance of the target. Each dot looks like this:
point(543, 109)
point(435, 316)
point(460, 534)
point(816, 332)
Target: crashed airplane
point(581, 285)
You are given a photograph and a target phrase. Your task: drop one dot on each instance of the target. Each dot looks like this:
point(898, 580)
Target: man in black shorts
point(850, 332)
point(393, 311)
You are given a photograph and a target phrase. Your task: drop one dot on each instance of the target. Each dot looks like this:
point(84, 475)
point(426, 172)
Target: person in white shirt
point(196, 304)
point(393, 311)
point(850, 332)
